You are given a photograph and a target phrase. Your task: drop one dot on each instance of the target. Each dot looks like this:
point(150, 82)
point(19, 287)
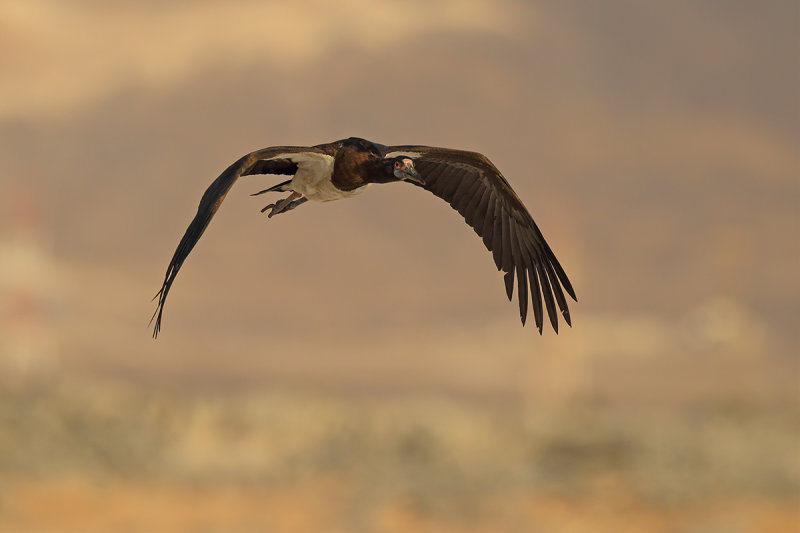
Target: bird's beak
point(412, 176)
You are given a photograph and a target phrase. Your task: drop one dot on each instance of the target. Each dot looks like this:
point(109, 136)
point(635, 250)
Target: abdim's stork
point(468, 181)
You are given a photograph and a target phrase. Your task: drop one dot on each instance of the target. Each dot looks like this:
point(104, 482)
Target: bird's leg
point(294, 204)
point(287, 204)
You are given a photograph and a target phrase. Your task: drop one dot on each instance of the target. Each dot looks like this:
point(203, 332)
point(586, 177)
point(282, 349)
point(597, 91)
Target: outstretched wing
point(472, 185)
point(273, 160)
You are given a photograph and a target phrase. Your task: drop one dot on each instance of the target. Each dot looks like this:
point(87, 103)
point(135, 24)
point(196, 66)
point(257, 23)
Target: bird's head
point(402, 168)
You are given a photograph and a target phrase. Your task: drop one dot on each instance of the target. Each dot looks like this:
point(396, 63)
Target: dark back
point(358, 162)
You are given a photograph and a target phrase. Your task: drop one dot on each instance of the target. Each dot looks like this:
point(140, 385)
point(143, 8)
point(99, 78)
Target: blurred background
point(355, 366)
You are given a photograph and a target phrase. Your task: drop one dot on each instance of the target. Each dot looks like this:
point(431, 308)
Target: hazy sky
point(654, 144)
point(89, 50)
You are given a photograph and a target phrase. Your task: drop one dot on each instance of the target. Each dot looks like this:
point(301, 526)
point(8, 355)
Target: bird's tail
point(281, 187)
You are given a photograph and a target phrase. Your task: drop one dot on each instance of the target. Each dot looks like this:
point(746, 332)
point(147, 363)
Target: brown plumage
point(468, 181)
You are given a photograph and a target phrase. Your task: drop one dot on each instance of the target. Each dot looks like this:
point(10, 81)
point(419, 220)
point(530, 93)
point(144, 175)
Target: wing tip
point(508, 277)
point(539, 327)
point(157, 327)
point(554, 323)
point(157, 317)
point(570, 291)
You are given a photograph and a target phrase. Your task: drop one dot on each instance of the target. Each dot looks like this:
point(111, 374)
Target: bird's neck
point(354, 170)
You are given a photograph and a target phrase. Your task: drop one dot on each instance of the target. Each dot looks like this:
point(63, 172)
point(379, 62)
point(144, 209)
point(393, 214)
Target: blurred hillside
point(112, 457)
point(654, 144)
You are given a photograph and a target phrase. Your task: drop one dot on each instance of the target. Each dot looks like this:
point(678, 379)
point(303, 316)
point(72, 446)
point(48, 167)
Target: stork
point(468, 181)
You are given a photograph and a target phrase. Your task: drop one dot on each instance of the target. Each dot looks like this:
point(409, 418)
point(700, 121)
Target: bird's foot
point(287, 204)
point(294, 204)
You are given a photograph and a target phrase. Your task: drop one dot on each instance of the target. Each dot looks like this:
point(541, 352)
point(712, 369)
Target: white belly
point(320, 188)
point(313, 177)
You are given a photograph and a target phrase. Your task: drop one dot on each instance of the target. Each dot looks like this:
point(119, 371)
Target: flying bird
point(468, 181)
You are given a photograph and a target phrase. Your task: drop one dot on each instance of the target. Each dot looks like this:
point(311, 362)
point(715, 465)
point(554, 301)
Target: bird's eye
point(397, 164)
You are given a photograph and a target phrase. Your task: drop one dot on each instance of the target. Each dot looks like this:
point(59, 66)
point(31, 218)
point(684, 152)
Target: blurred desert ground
point(355, 366)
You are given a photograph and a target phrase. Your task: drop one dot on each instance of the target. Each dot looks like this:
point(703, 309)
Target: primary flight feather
point(468, 181)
